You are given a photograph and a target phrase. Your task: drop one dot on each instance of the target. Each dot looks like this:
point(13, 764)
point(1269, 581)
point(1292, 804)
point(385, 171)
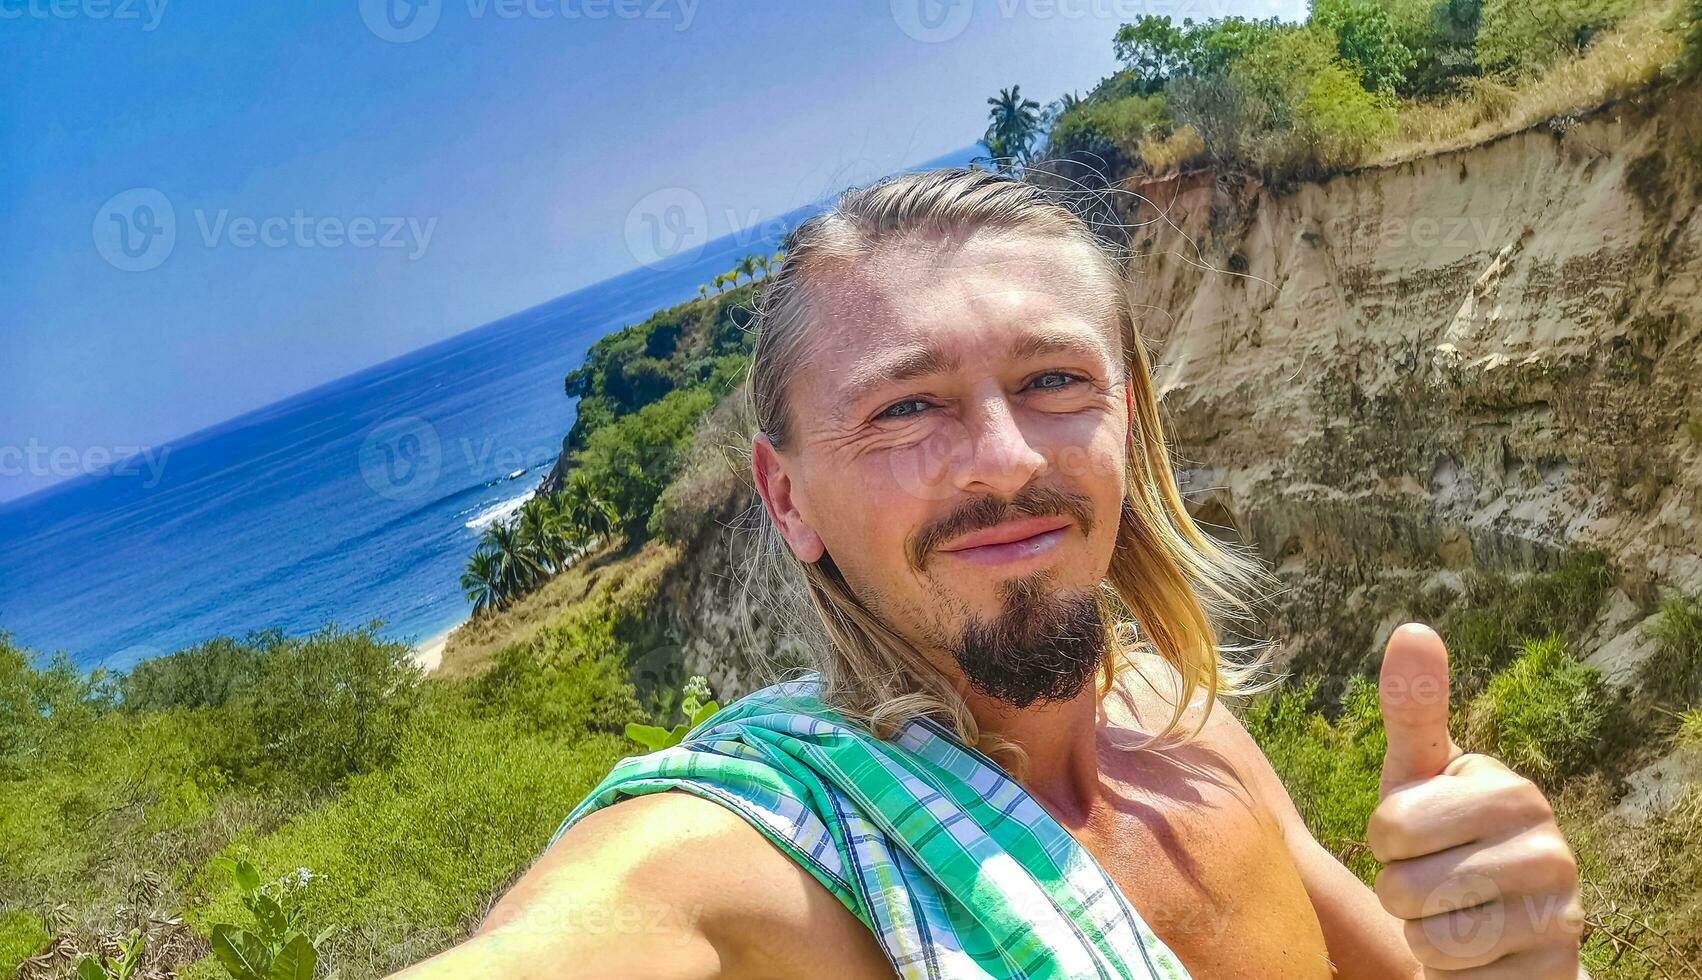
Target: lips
point(1006, 533)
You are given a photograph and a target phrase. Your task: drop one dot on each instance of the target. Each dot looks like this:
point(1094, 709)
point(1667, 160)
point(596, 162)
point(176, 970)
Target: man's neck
point(1061, 742)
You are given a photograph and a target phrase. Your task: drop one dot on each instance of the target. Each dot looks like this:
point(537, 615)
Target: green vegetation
point(1497, 613)
point(408, 804)
point(1014, 124)
point(1673, 673)
point(697, 707)
point(1355, 80)
point(640, 394)
point(1520, 695)
point(1543, 715)
point(276, 948)
point(1330, 768)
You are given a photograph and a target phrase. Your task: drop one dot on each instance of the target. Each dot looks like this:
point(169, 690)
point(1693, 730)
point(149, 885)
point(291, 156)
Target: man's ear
point(775, 486)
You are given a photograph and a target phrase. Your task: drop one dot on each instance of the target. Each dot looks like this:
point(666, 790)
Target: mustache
point(990, 511)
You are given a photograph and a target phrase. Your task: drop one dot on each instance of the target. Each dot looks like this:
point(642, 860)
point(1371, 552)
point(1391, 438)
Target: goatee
point(1043, 647)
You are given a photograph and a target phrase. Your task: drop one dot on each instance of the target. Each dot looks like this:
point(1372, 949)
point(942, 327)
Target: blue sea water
point(354, 501)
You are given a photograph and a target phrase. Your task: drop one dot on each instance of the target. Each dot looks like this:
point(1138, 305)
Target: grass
point(1488, 624)
point(1623, 61)
point(1543, 715)
point(1673, 672)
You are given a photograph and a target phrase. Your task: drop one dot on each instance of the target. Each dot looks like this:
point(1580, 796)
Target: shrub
point(1324, 116)
point(1688, 738)
point(410, 857)
point(1518, 37)
point(333, 703)
point(1172, 151)
point(41, 708)
point(630, 460)
point(1110, 127)
point(1330, 769)
point(1488, 623)
point(207, 674)
point(559, 684)
point(1442, 38)
point(1366, 35)
point(1673, 673)
point(1543, 715)
point(1227, 119)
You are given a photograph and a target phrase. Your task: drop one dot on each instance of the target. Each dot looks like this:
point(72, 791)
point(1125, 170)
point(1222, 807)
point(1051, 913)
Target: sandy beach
point(428, 653)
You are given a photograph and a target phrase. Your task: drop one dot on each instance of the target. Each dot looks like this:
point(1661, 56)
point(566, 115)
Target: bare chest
point(1206, 866)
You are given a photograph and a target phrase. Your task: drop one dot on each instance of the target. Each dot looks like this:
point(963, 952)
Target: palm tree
point(519, 570)
point(761, 263)
point(482, 581)
point(544, 533)
point(585, 509)
point(720, 281)
point(1013, 124)
point(747, 265)
point(778, 257)
point(702, 290)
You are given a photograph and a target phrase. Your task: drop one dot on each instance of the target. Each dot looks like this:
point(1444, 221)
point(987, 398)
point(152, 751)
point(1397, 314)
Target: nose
point(996, 456)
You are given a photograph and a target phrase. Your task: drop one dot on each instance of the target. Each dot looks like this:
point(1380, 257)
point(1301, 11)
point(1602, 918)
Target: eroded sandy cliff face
point(1482, 358)
point(1486, 358)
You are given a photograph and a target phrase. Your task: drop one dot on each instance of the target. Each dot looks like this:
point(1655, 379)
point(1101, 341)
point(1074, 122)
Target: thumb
point(1413, 693)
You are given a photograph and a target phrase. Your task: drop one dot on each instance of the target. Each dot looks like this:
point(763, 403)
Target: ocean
point(358, 500)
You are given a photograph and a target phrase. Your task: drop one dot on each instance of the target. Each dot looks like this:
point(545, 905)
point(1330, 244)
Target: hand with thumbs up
point(1473, 861)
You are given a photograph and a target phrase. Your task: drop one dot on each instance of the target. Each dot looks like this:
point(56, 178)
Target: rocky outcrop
point(1482, 358)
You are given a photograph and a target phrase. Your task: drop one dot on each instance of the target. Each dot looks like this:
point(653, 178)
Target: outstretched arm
point(668, 886)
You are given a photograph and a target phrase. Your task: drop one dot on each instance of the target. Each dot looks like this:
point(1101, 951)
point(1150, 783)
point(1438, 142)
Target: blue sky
point(344, 191)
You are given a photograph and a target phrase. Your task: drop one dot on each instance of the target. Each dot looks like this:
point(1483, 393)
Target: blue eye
point(1066, 380)
point(888, 413)
point(1069, 379)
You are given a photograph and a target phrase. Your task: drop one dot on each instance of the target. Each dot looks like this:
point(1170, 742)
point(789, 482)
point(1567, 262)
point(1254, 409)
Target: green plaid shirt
point(955, 868)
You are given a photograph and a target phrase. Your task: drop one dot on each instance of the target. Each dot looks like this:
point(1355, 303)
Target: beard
point(1044, 646)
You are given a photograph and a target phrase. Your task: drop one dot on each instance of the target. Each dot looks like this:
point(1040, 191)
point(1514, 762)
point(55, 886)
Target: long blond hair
point(1170, 585)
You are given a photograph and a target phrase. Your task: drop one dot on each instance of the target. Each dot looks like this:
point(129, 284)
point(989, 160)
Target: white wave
point(499, 511)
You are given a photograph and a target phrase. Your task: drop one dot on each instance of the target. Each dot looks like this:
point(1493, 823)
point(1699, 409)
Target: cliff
point(1483, 358)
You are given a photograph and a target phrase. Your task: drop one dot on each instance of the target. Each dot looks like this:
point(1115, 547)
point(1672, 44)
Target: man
point(1008, 762)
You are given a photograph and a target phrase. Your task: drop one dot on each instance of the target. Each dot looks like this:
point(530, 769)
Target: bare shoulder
point(1151, 690)
point(662, 885)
